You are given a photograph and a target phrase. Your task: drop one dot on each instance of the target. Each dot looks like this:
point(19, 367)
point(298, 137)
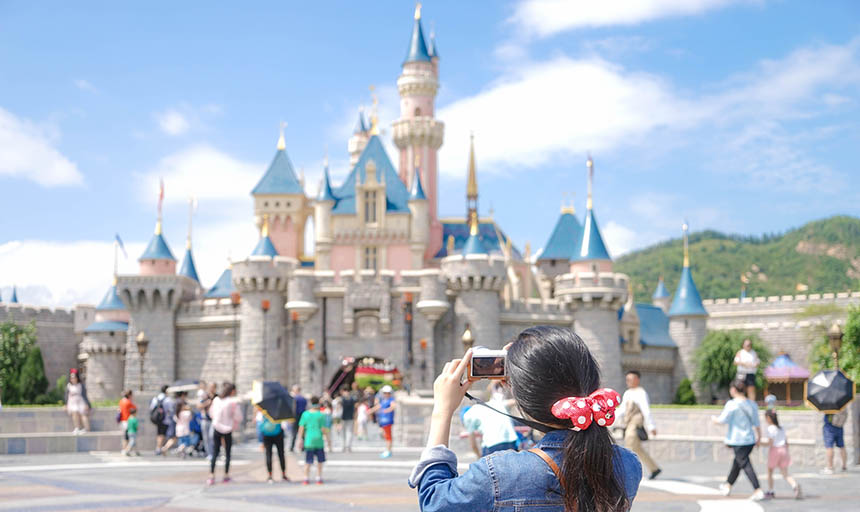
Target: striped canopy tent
point(785, 371)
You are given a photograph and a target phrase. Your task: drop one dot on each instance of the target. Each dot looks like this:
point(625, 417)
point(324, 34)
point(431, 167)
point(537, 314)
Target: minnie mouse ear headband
point(582, 411)
point(73, 371)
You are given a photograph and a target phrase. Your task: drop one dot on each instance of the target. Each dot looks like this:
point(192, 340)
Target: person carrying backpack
point(157, 416)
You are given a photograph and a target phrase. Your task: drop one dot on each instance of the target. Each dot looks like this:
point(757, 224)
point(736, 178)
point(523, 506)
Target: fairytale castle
point(389, 278)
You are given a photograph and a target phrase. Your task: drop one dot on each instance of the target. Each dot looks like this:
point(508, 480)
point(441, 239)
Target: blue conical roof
point(188, 268)
point(417, 45)
point(111, 301)
point(661, 292)
point(14, 299)
point(687, 300)
point(432, 50)
point(361, 124)
point(396, 193)
point(326, 193)
point(223, 287)
point(417, 192)
point(280, 178)
point(564, 239)
point(265, 247)
point(474, 245)
point(157, 249)
point(590, 246)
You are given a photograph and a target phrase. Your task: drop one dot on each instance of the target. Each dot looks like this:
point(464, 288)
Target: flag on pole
point(160, 195)
point(121, 245)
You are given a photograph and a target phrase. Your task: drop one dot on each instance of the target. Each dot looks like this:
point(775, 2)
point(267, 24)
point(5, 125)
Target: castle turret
point(323, 223)
point(188, 268)
point(104, 347)
point(661, 298)
point(417, 134)
point(358, 141)
point(687, 318)
point(280, 197)
point(595, 293)
point(419, 229)
point(14, 298)
point(264, 246)
point(554, 259)
point(157, 259)
point(223, 287)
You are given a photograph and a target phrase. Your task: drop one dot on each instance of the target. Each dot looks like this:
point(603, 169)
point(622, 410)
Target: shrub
point(32, 382)
point(685, 395)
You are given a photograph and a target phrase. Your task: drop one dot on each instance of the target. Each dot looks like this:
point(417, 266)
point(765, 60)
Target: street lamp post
point(835, 335)
point(467, 338)
point(142, 344)
point(265, 305)
point(235, 300)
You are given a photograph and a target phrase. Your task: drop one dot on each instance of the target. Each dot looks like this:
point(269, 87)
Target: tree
point(685, 395)
point(821, 357)
point(715, 358)
point(32, 382)
point(15, 344)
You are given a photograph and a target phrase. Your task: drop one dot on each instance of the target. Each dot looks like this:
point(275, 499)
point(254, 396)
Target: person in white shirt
point(747, 362)
point(497, 431)
point(634, 414)
point(777, 456)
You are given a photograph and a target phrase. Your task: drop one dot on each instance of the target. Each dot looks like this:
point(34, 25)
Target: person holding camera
point(576, 466)
point(634, 416)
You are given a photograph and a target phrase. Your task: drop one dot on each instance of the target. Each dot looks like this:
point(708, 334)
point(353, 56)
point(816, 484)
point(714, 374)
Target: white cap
point(386, 389)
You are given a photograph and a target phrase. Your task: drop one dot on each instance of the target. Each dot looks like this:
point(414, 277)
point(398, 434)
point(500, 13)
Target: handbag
point(642, 433)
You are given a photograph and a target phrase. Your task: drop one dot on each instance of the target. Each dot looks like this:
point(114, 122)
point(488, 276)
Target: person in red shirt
point(125, 407)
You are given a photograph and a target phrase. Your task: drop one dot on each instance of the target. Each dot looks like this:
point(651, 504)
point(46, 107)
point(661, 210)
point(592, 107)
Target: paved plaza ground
point(358, 481)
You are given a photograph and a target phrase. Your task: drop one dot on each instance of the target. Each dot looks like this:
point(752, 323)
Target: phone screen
point(493, 366)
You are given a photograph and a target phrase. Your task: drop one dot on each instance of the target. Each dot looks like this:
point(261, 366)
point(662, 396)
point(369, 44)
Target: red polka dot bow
point(598, 407)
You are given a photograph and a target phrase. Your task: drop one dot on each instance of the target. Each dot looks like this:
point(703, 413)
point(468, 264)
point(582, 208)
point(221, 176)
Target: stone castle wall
point(779, 319)
point(57, 334)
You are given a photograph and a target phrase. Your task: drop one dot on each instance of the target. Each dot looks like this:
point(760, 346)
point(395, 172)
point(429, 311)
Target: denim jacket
point(505, 481)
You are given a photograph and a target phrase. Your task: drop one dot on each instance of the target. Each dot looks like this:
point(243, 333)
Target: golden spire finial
point(264, 232)
point(158, 227)
point(374, 114)
point(282, 143)
point(472, 184)
point(686, 228)
point(417, 10)
point(473, 223)
point(450, 247)
point(590, 163)
point(417, 159)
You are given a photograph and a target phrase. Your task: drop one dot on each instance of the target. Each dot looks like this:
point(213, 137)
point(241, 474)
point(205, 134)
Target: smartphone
point(487, 364)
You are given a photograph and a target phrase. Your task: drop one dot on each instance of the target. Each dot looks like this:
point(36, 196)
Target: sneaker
point(827, 471)
point(284, 478)
point(319, 482)
point(384, 455)
point(798, 494)
point(655, 473)
point(158, 452)
point(270, 481)
point(758, 495)
point(226, 480)
point(725, 489)
point(210, 481)
point(769, 495)
point(306, 482)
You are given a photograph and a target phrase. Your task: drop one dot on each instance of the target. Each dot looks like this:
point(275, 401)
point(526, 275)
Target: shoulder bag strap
point(551, 463)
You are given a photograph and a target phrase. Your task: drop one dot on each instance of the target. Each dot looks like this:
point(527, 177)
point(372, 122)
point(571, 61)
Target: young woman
point(747, 362)
point(77, 403)
point(226, 417)
point(741, 415)
point(576, 467)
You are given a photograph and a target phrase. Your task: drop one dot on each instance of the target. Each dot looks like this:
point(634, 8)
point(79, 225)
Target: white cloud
point(547, 17)
point(85, 85)
point(620, 239)
point(27, 151)
point(49, 273)
point(172, 122)
point(565, 107)
point(203, 172)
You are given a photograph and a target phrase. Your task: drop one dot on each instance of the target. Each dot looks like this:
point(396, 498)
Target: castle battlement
point(23, 313)
point(776, 304)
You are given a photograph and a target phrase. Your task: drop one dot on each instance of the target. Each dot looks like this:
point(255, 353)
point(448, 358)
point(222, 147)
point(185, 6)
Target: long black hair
point(544, 365)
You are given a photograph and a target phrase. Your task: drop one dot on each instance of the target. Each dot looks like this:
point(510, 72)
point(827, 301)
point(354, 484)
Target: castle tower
point(104, 346)
point(477, 279)
point(322, 221)
point(359, 138)
point(188, 268)
point(14, 298)
point(417, 134)
point(595, 294)
point(280, 194)
point(419, 229)
point(157, 259)
point(261, 280)
point(554, 259)
point(687, 319)
point(661, 298)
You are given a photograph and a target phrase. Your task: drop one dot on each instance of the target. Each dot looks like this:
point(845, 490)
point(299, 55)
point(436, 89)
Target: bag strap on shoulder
point(551, 463)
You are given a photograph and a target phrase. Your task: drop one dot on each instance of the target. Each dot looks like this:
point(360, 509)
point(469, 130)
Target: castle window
point(417, 112)
point(266, 204)
point(370, 206)
point(277, 204)
point(369, 258)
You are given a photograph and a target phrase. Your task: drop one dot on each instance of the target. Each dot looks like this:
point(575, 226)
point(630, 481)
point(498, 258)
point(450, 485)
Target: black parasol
point(273, 400)
point(829, 391)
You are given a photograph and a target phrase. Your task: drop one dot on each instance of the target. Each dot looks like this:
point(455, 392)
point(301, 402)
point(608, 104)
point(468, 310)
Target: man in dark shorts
point(313, 434)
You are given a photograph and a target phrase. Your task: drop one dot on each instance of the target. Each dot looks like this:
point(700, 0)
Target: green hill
point(822, 256)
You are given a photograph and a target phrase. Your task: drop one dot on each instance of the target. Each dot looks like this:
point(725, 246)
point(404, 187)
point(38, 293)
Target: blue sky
point(741, 116)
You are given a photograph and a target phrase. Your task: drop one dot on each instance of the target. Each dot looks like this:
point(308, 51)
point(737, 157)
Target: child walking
point(778, 456)
point(313, 425)
point(183, 430)
point(131, 430)
point(361, 417)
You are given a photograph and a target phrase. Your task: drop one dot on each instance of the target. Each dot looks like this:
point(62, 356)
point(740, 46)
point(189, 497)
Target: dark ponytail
point(544, 365)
